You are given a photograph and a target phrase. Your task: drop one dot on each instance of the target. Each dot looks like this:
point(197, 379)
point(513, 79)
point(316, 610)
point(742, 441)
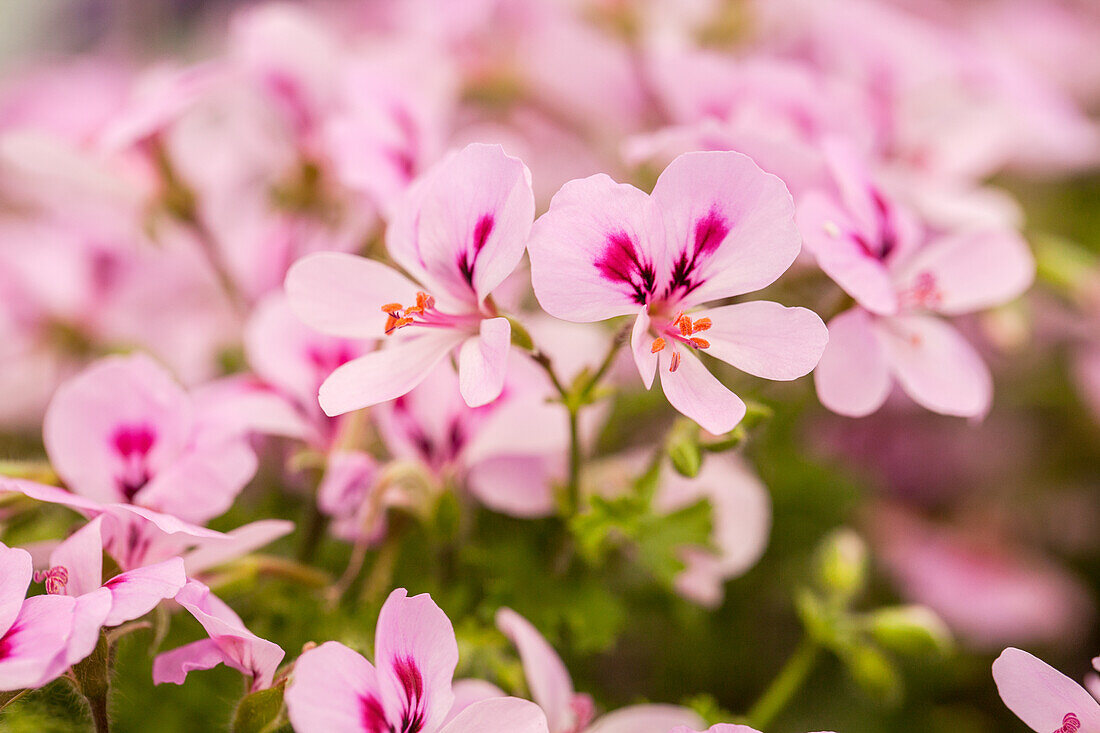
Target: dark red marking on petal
point(621, 262)
point(709, 233)
point(1070, 724)
point(372, 716)
point(467, 261)
point(412, 684)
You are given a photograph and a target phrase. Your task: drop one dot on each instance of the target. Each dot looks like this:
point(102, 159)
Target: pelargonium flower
point(720, 728)
point(460, 231)
point(335, 690)
point(229, 643)
point(715, 226)
point(569, 712)
point(903, 281)
point(124, 431)
point(1041, 696)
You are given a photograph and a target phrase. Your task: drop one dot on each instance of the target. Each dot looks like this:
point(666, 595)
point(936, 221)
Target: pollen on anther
point(684, 324)
point(700, 343)
point(658, 345)
point(701, 325)
point(391, 309)
point(675, 362)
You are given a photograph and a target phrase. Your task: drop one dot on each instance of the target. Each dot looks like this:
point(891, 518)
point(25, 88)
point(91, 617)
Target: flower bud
point(910, 631)
point(841, 567)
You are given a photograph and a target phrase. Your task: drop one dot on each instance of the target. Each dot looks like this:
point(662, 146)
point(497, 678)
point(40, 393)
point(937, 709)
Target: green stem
point(785, 685)
point(92, 676)
point(7, 698)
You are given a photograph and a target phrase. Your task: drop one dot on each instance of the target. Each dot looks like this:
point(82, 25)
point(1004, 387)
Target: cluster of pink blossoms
point(380, 243)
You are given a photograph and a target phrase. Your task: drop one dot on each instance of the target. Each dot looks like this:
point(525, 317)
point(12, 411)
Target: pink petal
point(698, 394)
point(828, 236)
point(936, 366)
point(16, 570)
point(465, 226)
point(1040, 695)
point(971, 271)
point(720, 728)
point(641, 346)
point(646, 719)
point(343, 294)
point(415, 654)
point(234, 544)
point(137, 592)
point(499, 715)
point(87, 412)
point(385, 374)
point(598, 252)
point(728, 222)
point(35, 642)
point(517, 485)
point(482, 361)
point(203, 483)
point(89, 616)
point(467, 692)
point(81, 554)
point(174, 666)
point(853, 376)
point(334, 690)
point(766, 339)
point(547, 678)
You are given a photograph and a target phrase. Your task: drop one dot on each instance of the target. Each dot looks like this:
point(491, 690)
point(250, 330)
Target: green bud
point(874, 673)
point(687, 457)
point(841, 567)
point(259, 712)
point(521, 338)
point(910, 630)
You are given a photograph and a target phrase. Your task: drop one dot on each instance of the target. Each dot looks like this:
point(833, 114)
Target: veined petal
point(335, 690)
point(415, 654)
point(385, 374)
point(482, 362)
point(16, 570)
point(1040, 695)
point(173, 666)
point(698, 394)
point(598, 252)
point(641, 346)
point(138, 591)
point(729, 226)
point(935, 365)
point(343, 294)
point(466, 224)
point(81, 554)
point(853, 376)
point(34, 645)
point(969, 271)
point(499, 715)
point(547, 678)
point(766, 339)
point(646, 719)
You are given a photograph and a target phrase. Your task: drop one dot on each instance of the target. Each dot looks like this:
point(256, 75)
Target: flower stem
point(785, 685)
point(92, 676)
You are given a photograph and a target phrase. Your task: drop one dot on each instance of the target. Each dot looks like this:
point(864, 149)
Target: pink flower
point(720, 728)
point(230, 643)
point(1041, 696)
point(124, 431)
point(334, 690)
point(36, 631)
point(715, 226)
point(460, 231)
point(567, 712)
point(902, 280)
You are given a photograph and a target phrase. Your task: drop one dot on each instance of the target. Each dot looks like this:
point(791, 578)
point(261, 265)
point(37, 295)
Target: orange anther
point(701, 325)
point(675, 364)
point(391, 309)
point(413, 309)
point(658, 344)
point(684, 324)
point(700, 343)
point(391, 324)
point(424, 301)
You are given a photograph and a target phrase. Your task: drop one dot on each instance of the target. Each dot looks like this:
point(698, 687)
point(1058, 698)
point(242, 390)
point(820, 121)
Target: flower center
point(923, 293)
point(422, 313)
point(681, 329)
point(133, 444)
point(56, 578)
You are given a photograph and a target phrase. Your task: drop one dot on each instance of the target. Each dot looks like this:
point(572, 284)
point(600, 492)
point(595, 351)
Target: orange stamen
point(391, 309)
point(391, 324)
point(675, 364)
point(658, 345)
point(701, 325)
point(684, 324)
point(700, 343)
point(424, 301)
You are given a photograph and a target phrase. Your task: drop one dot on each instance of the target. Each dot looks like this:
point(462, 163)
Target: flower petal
point(853, 376)
point(729, 226)
point(641, 345)
point(517, 485)
point(469, 691)
point(137, 592)
point(385, 374)
point(81, 554)
point(598, 252)
point(482, 361)
point(342, 294)
point(1040, 695)
point(646, 719)
point(334, 690)
point(499, 715)
point(238, 542)
point(173, 666)
point(415, 653)
point(464, 227)
point(34, 645)
point(203, 483)
point(16, 570)
point(547, 678)
point(698, 394)
point(936, 366)
point(766, 339)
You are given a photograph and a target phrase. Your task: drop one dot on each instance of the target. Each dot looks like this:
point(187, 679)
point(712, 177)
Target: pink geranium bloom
point(714, 227)
point(903, 281)
point(124, 431)
point(460, 231)
point(721, 728)
point(230, 643)
point(335, 690)
point(36, 631)
point(1041, 696)
point(568, 712)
